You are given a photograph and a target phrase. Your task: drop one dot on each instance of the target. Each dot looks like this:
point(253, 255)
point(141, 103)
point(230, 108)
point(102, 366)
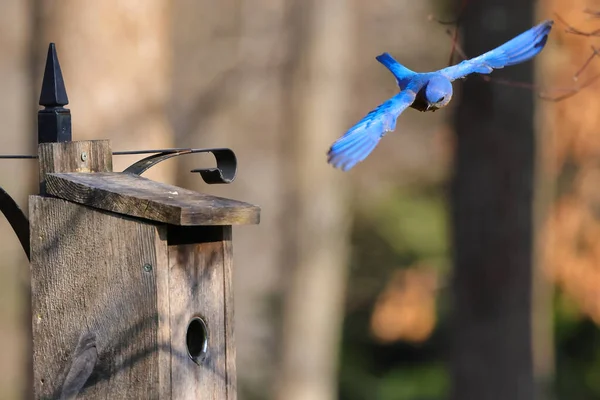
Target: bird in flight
point(427, 91)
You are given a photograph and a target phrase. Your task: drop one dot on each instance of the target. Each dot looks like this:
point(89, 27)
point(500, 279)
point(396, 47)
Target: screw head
point(84, 156)
point(147, 267)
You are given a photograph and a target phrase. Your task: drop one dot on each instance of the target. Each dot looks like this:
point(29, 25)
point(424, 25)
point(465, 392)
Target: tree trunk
point(317, 220)
point(17, 178)
point(116, 61)
point(228, 87)
point(492, 210)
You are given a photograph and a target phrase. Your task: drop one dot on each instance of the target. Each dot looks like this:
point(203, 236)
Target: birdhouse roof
point(139, 197)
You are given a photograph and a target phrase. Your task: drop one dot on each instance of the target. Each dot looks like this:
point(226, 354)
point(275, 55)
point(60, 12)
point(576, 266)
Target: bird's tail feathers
point(399, 70)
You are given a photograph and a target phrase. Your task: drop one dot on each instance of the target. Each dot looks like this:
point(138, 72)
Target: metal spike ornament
point(54, 121)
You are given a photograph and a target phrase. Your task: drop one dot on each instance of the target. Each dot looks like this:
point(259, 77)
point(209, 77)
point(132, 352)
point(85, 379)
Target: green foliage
point(411, 227)
point(428, 381)
point(407, 228)
point(577, 347)
point(414, 222)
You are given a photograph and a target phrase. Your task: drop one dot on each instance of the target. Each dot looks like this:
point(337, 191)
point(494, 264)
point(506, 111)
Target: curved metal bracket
point(223, 173)
point(16, 218)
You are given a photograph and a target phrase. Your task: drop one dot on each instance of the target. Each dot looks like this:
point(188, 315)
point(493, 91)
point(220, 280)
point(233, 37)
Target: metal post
point(54, 121)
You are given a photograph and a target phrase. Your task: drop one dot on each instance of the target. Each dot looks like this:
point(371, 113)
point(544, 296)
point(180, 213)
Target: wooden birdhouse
point(131, 279)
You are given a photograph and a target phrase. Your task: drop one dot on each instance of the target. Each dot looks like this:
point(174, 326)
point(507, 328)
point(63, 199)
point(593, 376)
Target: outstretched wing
point(522, 48)
point(362, 138)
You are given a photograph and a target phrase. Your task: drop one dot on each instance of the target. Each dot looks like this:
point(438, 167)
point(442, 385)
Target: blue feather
point(403, 75)
point(517, 50)
point(360, 140)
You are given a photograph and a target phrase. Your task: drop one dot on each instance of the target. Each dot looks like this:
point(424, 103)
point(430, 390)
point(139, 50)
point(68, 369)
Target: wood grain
point(88, 276)
point(199, 287)
point(164, 321)
point(230, 353)
point(82, 156)
point(103, 325)
point(140, 197)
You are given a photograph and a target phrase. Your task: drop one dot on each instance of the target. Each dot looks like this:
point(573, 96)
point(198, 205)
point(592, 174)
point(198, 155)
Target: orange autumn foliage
point(571, 234)
point(405, 310)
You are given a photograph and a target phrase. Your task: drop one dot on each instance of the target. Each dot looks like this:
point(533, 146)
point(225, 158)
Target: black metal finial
point(54, 121)
point(53, 93)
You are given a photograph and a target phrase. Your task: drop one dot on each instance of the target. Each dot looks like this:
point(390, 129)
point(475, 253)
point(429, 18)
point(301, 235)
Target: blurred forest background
point(460, 260)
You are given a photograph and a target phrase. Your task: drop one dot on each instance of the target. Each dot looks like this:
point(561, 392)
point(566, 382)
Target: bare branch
point(570, 92)
point(456, 46)
point(453, 34)
point(433, 18)
point(595, 14)
point(575, 31)
point(565, 93)
point(587, 62)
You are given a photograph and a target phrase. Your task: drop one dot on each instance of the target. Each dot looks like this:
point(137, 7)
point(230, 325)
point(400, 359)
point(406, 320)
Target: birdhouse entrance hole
point(197, 340)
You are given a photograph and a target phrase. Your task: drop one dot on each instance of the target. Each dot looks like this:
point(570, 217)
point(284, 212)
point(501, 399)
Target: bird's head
point(438, 92)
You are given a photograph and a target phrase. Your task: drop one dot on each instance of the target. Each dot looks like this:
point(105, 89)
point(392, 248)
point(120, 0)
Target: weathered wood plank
point(196, 282)
point(164, 322)
point(95, 273)
point(230, 352)
point(82, 156)
point(140, 197)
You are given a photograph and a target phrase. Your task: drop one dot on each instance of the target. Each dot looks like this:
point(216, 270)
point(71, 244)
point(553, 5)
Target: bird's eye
point(441, 99)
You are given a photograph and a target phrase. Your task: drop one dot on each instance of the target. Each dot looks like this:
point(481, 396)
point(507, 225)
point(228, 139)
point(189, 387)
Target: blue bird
point(427, 92)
